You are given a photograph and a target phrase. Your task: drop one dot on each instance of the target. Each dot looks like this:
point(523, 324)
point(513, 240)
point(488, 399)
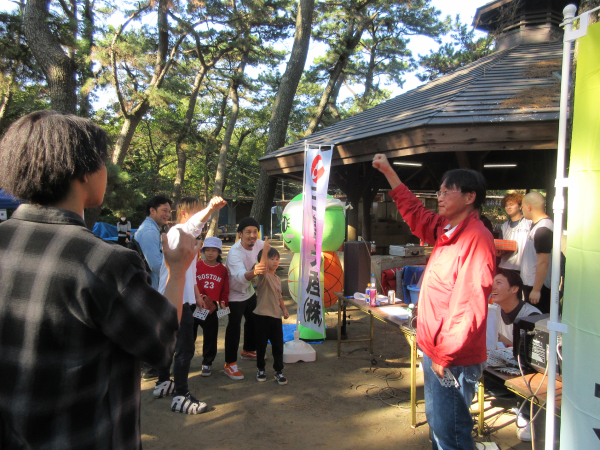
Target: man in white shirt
point(516, 229)
point(536, 265)
point(191, 222)
point(242, 269)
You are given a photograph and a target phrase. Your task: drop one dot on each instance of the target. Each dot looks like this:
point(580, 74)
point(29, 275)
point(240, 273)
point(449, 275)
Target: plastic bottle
point(367, 292)
point(374, 283)
point(373, 292)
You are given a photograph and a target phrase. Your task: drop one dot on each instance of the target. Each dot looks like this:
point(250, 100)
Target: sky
point(421, 45)
point(418, 45)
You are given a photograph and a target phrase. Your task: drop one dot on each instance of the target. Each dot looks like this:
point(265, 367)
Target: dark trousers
point(237, 310)
point(269, 329)
point(210, 332)
point(184, 350)
point(544, 303)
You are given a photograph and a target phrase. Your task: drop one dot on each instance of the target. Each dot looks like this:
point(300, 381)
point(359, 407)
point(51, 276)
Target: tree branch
point(113, 58)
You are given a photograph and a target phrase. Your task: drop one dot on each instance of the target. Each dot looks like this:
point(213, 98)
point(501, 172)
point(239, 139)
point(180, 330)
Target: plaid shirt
point(76, 316)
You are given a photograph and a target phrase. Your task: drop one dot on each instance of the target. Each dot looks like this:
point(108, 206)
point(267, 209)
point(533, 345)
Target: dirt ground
point(324, 405)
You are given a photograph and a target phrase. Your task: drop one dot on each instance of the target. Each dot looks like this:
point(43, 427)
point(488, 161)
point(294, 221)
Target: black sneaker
point(280, 378)
point(187, 404)
point(260, 375)
point(206, 371)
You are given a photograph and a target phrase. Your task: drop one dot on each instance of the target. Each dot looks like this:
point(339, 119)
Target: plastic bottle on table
point(367, 292)
point(374, 283)
point(373, 292)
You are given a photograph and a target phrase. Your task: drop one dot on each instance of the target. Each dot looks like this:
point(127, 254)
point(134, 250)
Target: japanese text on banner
point(317, 164)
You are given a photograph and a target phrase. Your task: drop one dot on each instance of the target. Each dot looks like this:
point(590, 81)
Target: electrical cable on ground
point(385, 393)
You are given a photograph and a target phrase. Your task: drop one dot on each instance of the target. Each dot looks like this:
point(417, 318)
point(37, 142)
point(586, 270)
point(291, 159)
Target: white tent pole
point(558, 207)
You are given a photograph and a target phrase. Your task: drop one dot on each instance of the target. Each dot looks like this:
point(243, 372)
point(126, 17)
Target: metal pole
point(558, 207)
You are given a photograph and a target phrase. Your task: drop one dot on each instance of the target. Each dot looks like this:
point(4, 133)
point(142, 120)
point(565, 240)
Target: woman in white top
point(123, 230)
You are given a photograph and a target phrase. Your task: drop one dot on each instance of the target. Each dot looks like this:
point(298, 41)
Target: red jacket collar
point(459, 228)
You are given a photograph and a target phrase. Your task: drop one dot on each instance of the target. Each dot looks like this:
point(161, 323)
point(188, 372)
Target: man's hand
point(217, 203)
point(179, 259)
point(265, 251)
point(437, 369)
point(381, 163)
point(286, 314)
point(505, 341)
point(534, 297)
point(260, 269)
point(223, 305)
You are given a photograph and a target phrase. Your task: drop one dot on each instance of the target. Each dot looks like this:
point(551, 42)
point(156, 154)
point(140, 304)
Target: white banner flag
point(317, 162)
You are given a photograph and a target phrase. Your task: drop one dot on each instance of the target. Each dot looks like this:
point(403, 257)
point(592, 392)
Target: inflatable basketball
point(334, 278)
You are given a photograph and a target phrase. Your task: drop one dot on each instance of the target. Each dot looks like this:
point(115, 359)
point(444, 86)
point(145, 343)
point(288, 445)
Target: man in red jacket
point(457, 281)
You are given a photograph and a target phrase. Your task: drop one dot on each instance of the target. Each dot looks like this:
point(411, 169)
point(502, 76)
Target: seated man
point(77, 314)
point(507, 292)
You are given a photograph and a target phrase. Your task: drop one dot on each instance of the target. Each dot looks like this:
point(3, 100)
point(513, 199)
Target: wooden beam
point(478, 137)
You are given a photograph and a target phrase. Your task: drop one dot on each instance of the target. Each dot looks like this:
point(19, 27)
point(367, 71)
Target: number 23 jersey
point(213, 281)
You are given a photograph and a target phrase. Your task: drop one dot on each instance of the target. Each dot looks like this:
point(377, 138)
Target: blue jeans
point(447, 408)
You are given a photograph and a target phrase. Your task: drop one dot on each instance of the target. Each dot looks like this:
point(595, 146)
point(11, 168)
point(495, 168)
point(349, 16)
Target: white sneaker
point(523, 428)
point(163, 389)
point(187, 404)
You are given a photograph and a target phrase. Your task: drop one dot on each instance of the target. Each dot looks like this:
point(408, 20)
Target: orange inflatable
point(333, 279)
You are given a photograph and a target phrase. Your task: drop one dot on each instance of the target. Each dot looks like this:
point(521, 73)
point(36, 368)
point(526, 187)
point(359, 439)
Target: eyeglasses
point(442, 194)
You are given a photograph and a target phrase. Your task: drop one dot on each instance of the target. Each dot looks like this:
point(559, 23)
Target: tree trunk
point(222, 164)
point(7, 96)
point(134, 117)
point(181, 155)
point(91, 216)
point(180, 174)
point(206, 177)
point(282, 108)
point(127, 131)
point(316, 120)
point(333, 111)
point(370, 73)
point(340, 65)
point(85, 64)
point(58, 68)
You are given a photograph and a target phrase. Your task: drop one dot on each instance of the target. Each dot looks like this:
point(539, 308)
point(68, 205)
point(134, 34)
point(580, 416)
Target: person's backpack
point(136, 247)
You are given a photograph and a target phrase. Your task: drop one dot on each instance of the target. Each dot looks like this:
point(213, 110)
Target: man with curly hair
point(77, 314)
